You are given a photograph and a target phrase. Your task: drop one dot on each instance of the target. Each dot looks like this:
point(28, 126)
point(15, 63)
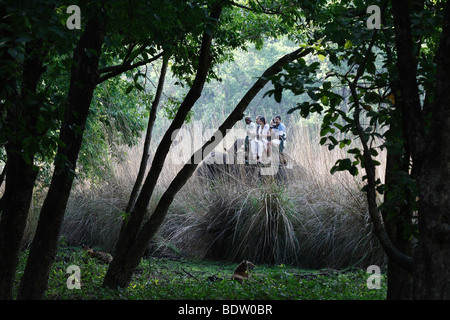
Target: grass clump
point(251, 222)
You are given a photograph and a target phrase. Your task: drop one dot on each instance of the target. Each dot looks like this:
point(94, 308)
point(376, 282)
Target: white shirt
point(251, 130)
point(263, 130)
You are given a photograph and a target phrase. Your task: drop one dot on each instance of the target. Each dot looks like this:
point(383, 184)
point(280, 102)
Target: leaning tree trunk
point(83, 81)
point(121, 273)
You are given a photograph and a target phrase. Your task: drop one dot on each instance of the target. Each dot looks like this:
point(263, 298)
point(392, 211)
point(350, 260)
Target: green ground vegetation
point(186, 279)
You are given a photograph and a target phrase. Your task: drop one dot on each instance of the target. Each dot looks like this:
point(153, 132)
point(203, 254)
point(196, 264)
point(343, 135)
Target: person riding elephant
point(260, 144)
point(279, 134)
point(251, 133)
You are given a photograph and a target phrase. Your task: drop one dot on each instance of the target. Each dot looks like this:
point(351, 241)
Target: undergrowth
point(164, 279)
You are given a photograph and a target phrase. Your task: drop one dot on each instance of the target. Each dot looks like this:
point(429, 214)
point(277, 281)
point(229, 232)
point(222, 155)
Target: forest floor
point(185, 279)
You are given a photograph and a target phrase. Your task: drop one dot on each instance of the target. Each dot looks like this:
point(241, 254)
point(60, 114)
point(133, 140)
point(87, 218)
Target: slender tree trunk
point(148, 137)
point(22, 114)
point(395, 255)
point(121, 274)
point(400, 214)
point(399, 218)
point(83, 81)
point(116, 276)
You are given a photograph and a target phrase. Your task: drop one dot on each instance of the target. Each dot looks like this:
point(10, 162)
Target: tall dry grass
point(313, 220)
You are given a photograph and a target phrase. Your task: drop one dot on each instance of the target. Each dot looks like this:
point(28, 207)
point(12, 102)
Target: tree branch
point(399, 257)
point(130, 50)
point(113, 71)
point(148, 136)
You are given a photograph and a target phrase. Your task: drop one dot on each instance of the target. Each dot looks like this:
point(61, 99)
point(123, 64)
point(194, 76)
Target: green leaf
point(345, 142)
point(313, 95)
point(348, 44)
point(333, 140)
point(277, 94)
point(139, 87)
point(134, 54)
point(371, 97)
point(129, 88)
point(345, 165)
point(353, 171)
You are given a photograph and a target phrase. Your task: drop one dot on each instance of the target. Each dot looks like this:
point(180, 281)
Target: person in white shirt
point(259, 144)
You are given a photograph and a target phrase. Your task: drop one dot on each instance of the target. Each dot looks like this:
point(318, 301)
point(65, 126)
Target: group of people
point(262, 136)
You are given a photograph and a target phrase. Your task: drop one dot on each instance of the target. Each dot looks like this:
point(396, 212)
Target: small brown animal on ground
point(102, 256)
point(243, 271)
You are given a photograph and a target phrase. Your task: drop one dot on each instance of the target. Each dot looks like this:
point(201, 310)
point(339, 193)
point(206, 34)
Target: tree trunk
point(16, 201)
point(431, 154)
point(22, 114)
point(148, 137)
point(120, 272)
point(399, 286)
point(432, 276)
point(406, 64)
point(83, 81)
